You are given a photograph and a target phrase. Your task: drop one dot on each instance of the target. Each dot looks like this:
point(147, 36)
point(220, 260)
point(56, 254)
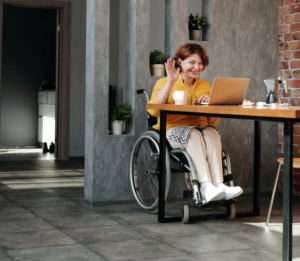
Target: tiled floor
point(41, 218)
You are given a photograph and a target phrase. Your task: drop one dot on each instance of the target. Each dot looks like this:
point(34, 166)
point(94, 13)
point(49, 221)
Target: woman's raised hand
point(171, 73)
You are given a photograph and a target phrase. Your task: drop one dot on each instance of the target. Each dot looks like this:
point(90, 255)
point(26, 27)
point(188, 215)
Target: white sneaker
point(231, 192)
point(210, 193)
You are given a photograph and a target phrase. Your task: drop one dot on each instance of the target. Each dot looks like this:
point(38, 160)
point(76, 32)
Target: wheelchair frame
point(182, 164)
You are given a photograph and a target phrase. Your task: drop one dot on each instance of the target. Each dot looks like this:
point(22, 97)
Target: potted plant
point(157, 63)
point(119, 114)
point(196, 24)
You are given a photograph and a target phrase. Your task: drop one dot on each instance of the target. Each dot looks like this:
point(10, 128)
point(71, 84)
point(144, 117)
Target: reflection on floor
point(41, 218)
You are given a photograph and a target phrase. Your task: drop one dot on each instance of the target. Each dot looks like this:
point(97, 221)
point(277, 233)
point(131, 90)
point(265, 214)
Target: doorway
point(38, 93)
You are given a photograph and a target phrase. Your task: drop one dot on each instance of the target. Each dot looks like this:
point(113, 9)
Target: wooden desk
point(287, 115)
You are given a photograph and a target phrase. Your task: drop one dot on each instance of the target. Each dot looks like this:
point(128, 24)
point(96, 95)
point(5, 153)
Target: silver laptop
point(228, 91)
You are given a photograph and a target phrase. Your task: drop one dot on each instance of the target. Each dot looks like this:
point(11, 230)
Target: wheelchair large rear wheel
point(144, 171)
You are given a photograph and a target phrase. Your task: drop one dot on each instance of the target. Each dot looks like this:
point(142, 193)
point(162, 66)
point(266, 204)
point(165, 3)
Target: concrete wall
point(157, 25)
point(118, 34)
point(244, 45)
point(235, 52)
point(195, 6)
point(28, 59)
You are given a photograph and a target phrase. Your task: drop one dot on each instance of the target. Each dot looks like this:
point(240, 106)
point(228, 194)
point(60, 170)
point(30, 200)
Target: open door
point(57, 81)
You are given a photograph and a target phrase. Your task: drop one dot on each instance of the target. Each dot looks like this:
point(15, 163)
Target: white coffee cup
point(180, 97)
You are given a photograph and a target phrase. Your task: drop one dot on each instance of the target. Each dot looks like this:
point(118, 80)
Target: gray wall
point(195, 6)
point(117, 50)
point(29, 43)
point(235, 52)
point(77, 88)
point(118, 34)
point(244, 45)
point(157, 25)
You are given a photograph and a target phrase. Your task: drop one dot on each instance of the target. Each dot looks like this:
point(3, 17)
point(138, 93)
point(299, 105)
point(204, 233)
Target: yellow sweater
point(200, 87)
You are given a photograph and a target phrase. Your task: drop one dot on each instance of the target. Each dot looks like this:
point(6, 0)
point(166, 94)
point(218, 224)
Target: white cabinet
point(46, 116)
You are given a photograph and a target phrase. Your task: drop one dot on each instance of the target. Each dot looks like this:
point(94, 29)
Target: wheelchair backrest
point(151, 120)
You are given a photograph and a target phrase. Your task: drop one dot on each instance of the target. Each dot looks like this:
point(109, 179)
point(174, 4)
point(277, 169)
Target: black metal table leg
point(162, 169)
point(256, 168)
point(287, 252)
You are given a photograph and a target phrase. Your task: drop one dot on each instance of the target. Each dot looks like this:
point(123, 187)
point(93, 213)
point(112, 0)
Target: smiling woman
point(197, 135)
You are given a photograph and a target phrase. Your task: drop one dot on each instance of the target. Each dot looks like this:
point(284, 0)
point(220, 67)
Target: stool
point(296, 165)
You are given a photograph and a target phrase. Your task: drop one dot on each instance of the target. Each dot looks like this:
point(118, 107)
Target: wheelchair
point(144, 171)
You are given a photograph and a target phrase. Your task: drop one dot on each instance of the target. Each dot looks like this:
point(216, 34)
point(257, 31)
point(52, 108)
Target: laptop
point(228, 91)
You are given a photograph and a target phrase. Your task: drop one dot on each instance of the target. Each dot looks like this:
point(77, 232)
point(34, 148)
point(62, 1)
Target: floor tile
point(133, 218)
point(117, 233)
point(23, 225)
point(266, 238)
point(70, 192)
point(171, 230)
point(238, 255)
point(134, 250)
point(34, 240)
point(61, 185)
point(50, 180)
point(8, 175)
point(59, 253)
point(226, 226)
point(36, 174)
point(204, 243)
point(13, 168)
point(278, 252)
point(80, 221)
point(19, 186)
point(12, 181)
point(7, 204)
point(173, 258)
point(118, 208)
point(26, 194)
point(4, 257)
point(14, 213)
point(61, 211)
point(53, 201)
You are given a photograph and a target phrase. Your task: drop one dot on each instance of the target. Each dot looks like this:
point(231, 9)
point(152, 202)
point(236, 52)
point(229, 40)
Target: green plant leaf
point(120, 112)
point(157, 57)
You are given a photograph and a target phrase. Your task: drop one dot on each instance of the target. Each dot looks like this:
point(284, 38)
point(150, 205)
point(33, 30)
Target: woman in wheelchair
point(197, 135)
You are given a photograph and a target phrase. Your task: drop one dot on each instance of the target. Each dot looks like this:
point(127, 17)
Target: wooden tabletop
point(291, 112)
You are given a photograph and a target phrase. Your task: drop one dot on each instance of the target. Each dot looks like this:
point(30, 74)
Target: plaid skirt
point(180, 134)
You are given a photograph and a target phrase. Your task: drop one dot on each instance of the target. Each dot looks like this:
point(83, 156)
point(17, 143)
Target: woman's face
point(192, 66)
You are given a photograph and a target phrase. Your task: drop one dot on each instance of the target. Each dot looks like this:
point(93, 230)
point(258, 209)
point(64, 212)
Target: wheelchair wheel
point(144, 171)
point(185, 214)
point(230, 212)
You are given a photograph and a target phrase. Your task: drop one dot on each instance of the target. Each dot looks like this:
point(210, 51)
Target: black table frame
point(287, 172)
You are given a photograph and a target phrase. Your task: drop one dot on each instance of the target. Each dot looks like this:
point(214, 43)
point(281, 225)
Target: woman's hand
point(203, 98)
point(170, 67)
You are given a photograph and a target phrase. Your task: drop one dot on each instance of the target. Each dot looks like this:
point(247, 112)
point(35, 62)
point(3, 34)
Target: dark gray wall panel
point(28, 58)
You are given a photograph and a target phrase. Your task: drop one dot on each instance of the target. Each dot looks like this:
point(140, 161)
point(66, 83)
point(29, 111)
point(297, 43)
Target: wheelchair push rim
point(144, 171)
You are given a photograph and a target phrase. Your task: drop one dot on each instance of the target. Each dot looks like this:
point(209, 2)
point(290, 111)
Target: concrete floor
point(41, 218)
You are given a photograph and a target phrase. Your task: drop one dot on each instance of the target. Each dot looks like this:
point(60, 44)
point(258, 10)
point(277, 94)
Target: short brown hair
point(187, 50)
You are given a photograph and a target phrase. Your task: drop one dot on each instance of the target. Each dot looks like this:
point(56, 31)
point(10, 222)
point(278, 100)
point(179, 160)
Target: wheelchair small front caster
point(230, 212)
point(185, 214)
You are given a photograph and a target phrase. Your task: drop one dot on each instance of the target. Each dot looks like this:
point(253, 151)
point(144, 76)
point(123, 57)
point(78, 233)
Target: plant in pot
point(196, 24)
point(157, 63)
point(119, 114)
